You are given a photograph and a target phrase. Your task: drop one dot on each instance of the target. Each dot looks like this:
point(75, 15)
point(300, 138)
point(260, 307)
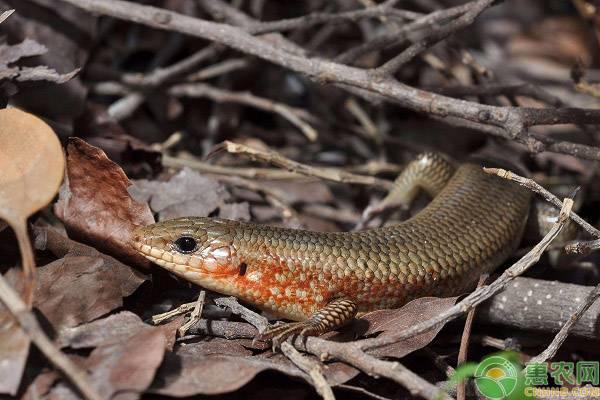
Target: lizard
point(322, 280)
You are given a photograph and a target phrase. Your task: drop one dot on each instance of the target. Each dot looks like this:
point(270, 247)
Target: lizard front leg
point(333, 316)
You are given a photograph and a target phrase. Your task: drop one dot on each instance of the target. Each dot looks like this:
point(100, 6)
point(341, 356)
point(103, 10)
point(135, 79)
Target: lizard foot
point(334, 315)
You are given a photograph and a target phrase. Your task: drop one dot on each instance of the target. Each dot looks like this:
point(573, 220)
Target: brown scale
point(472, 224)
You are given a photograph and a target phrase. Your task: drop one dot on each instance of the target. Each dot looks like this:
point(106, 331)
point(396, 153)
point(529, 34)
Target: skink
point(472, 225)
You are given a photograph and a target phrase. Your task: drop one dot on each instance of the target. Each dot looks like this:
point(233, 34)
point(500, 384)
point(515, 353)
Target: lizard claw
point(279, 334)
point(334, 315)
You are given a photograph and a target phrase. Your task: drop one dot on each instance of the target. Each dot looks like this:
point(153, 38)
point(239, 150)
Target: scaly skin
point(472, 225)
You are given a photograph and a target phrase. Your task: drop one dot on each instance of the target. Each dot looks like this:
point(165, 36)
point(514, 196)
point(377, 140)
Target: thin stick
point(352, 354)
point(464, 342)
point(256, 320)
point(5, 15)
point(160, 76)
point(363, 391)
point(195, 316)
point(371, 168)
point(182, 309)
point(125, 106)
point(363, 117)
point(313, 19)
point(291, 114)
point(312, 368)
point(434, 36)
point(30, 325)
point(277, 159)
point(537, 188)
point(384, 40)
point(220, 68)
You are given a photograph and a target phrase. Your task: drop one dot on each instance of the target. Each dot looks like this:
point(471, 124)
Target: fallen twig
point(363, 391)
point(400, 35)
point(513, 121)
point(464, 342)
point(312, 368)
point(307, 21)
point(6, 14)
point(195, 315)
point(258, 321)
point(537, 188)
point(275, 158)
point(293, 115)
point(352, 354)
point(434, 36)
point(372, 168)
point(30, 325)
point(161, 76)
point(218, 69)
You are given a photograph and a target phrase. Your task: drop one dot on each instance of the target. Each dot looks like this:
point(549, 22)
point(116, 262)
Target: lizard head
point(200, 250)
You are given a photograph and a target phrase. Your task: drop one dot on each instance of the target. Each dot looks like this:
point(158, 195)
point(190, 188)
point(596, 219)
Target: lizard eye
point(185, 244)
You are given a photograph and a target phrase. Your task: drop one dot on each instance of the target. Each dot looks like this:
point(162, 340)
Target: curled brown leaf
point(95, 206)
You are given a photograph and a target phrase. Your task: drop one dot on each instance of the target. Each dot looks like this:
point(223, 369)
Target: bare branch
point(162, 75)
point(352, 354)
point(514, 120)
point(433, 37)
point(401, 35)
point(519, 89)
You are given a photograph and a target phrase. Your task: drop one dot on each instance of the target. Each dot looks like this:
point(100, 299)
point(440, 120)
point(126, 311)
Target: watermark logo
point(501, 376)
point(496, 377)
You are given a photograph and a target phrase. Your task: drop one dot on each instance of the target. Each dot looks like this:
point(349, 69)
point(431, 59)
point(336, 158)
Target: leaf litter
point(91, 289)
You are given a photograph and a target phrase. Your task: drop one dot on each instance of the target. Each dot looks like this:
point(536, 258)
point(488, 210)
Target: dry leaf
point(113, 329)
point(215, 367)
point(122, 370)
point(186, 194)
point(82, 285)
point(393, 321)
point(32, 165)
point(95, 206)
point(68, 34)
point(100, 129)
point(28, 48)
